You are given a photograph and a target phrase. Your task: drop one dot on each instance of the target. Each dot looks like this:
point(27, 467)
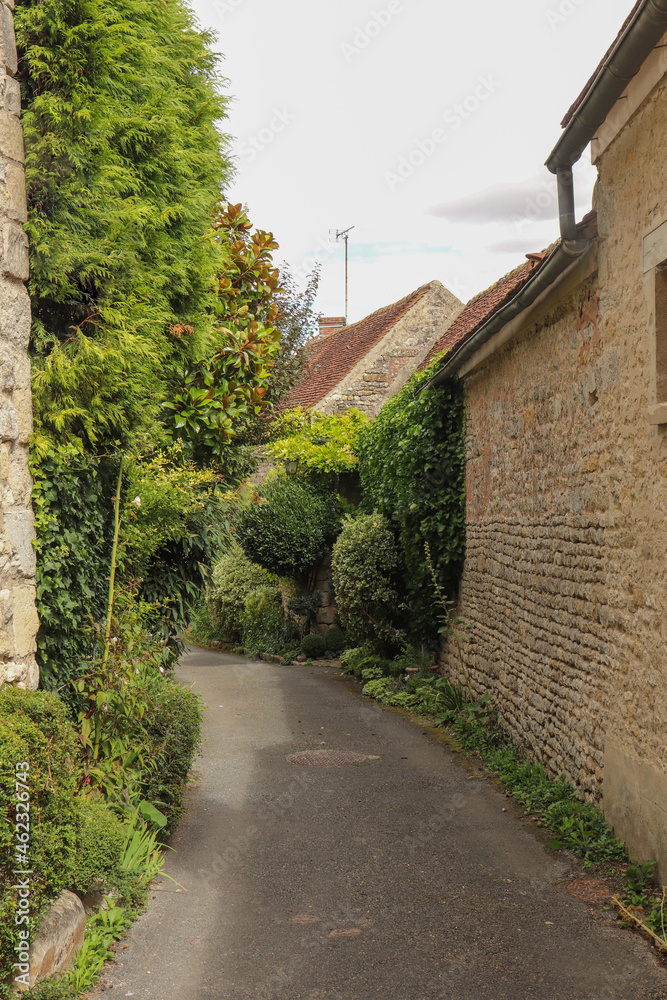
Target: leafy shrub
point(34, 728)
point(286, 529)
point(314, 646)
point(320, 443)
point(100, 842)
point(264, 619)
point(173, 734)
point(355, 661)
point(234, 577)
point(263, 623)
point(364, 569)
point(411, 463)
point(335, 640)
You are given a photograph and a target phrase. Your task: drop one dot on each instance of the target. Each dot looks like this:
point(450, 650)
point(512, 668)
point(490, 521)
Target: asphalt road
point(406, 877)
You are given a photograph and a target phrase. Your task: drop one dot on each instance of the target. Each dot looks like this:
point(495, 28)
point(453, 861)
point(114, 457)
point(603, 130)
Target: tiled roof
point(584, 94)
point(333, 357)
point(479, 309)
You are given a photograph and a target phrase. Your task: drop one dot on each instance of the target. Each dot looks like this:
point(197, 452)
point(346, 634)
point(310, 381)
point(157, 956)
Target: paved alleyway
point(401, 878)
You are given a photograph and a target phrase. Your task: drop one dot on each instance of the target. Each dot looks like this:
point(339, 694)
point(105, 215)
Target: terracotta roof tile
point(478, 310)
point(332, 357)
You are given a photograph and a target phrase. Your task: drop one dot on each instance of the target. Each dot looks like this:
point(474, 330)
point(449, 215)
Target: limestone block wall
point(565, 578)
point(541, 537)
point(632, 205)
point(388, 366)
point(18, 617)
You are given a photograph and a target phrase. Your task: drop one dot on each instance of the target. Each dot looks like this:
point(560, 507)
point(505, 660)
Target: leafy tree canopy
point(318, 442)
point(124, 167)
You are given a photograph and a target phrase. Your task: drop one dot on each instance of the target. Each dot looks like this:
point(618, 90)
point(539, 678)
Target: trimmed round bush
point(314, 646)
point(364, 565)
point(234, 577)
point(286, 530)
point(100, 839)
point(335, 640)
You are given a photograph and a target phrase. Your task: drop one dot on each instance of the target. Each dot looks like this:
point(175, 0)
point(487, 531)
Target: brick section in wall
point(18, 617)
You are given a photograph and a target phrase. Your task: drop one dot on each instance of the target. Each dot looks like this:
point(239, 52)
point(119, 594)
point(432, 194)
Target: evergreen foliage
point(412, 463)
point(287, 528)
point(364, 564)
point(124, 167)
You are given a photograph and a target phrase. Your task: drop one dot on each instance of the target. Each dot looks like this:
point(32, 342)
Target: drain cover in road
point(329, 758)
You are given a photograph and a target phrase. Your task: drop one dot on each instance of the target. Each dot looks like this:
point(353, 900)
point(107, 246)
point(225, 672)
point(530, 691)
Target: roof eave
point(623, 62)
point(554, 266)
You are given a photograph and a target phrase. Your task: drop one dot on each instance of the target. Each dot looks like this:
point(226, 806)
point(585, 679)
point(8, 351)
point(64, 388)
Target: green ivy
point(73, 519)
point(412, 460)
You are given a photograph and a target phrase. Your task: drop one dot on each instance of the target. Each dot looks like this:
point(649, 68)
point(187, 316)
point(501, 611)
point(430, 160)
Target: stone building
point(362, 365)
point(18, 617)
point(564, 365)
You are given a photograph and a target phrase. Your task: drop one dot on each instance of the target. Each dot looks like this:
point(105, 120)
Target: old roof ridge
point(330, 358)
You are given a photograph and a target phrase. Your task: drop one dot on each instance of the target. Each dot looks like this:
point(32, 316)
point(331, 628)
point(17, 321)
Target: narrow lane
point(400, 878)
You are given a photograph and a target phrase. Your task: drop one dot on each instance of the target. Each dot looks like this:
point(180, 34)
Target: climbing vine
point(412, 472)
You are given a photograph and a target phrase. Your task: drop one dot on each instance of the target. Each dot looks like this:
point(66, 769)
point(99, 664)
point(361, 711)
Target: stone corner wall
point(18, 616)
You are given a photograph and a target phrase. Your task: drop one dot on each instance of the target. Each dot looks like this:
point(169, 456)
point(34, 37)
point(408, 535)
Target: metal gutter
point(623, 62)
point(546, 275)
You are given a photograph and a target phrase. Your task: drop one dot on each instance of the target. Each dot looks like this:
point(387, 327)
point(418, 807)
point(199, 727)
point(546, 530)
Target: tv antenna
point(338, 235)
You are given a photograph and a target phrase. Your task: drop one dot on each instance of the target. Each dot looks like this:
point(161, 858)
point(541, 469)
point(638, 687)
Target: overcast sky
point(422, 123)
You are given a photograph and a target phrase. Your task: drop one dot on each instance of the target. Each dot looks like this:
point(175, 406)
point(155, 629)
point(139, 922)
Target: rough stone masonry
point(565, 578)
point(18, 617)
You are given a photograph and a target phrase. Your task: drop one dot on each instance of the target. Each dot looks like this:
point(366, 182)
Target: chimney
point(330, 324)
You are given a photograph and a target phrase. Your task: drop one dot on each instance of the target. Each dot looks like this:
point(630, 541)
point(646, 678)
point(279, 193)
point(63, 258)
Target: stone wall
point(538, 545)
point(18, 618)
point(632, 204)
point(565, 578)
point(387, 367)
